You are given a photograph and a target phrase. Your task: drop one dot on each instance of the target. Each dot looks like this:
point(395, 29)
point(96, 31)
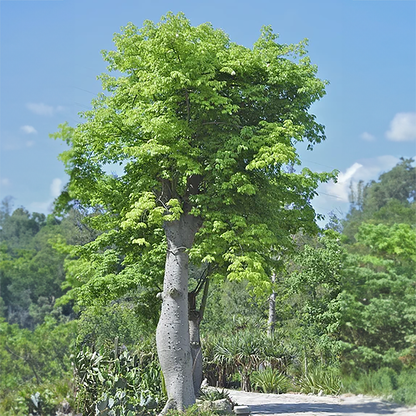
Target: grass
point(387, 383)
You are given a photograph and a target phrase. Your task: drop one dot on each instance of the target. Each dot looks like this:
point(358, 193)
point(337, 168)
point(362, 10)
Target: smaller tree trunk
point(245, 380)
point(272, 310)
point(196, 350)
point(195, 318)
point(305, 357)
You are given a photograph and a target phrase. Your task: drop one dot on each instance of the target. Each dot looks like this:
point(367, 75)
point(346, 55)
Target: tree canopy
point(200, 125)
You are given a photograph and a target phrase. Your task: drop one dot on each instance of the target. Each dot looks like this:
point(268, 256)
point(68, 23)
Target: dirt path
point(310, 405)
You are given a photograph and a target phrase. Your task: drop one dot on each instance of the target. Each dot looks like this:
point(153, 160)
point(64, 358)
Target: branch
point(201, 281)
point(204, 299)
point(223, 123)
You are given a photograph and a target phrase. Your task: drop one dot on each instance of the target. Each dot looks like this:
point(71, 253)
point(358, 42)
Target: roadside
point(312, 405)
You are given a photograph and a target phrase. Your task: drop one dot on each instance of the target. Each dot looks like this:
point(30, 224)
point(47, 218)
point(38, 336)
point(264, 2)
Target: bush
point(401, 388)
point(44, 399)
point(406, 391)
point(213, 394)
point(376, 383)
point(320, 379)
point(35, 367)
point(191, 411)
point(242, 352)
point(270, 381)
point(118, 382)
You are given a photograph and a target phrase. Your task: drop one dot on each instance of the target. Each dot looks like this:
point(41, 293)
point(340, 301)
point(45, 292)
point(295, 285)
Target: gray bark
point(195, 318)
point(196, 352)
point(172, 334)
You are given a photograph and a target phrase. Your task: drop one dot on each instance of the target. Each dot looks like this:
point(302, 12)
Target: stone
point(241, 410)
point(222, 406)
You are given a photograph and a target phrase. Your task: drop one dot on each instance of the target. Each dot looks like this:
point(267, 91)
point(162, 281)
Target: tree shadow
point(372, 408)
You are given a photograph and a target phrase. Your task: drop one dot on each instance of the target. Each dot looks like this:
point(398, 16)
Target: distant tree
point(376, 308)
point(390, 200)
point(30, 358)
point(398, 183)
point(203, 128)
point(31, 269)
point(312, 283)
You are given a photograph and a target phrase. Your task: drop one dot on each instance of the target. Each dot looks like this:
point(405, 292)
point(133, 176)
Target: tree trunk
point(196, 352)
point(172, 334)
point(195, 318)
point(272, 309)
point(245, 380)
point(305, 357)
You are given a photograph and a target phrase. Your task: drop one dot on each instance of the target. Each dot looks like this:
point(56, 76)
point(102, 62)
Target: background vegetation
point(345, 313)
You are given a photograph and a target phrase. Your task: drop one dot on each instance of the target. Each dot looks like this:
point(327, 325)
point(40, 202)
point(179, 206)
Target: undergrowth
point(386, 383)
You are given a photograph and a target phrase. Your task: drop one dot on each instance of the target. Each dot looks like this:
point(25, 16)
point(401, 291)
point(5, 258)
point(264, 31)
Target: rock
point(241, 410)
point(222, 406)
point(204, 384)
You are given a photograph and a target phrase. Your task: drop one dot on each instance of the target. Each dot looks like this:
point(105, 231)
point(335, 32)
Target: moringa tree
point(203, 129)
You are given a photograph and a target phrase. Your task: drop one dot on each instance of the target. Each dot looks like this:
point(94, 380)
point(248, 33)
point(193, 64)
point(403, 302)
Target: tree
point(310, 284)
point(389, 200)
point(31, 272)
point(376, 308)
point(203, 129)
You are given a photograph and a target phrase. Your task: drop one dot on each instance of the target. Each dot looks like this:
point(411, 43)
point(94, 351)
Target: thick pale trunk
point(172, 334)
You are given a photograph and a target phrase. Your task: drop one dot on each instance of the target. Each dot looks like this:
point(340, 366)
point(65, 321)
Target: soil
point(293, 404)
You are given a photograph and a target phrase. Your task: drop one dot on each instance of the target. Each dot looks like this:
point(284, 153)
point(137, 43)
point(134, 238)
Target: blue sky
point(50, 57)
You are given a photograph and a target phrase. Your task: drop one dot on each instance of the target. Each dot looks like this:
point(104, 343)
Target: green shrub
point(321, 379)
point(192, 411)
point(270, 380)
point(406, 391)
point(213, 394)
point(35, 368)
point(242, 352)
point(401, 388)
point(376, 383)
point(118, 382)
point(44, 399)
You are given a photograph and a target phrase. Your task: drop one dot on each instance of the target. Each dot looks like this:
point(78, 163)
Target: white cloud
point(402, 127)
point(28, 129)
point(340, 190)
point(42, 109)
point(334, 196)
point(368, 137)
point(56, 187)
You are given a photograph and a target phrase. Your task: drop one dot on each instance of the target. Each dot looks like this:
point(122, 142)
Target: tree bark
point(272, 310)
point(195, 318)
point(195, 343)
point(172, 334)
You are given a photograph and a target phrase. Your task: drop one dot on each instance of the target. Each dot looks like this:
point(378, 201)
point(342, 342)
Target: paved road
point(310, 405)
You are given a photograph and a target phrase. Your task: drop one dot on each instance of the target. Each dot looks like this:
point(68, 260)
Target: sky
point(50, 56)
